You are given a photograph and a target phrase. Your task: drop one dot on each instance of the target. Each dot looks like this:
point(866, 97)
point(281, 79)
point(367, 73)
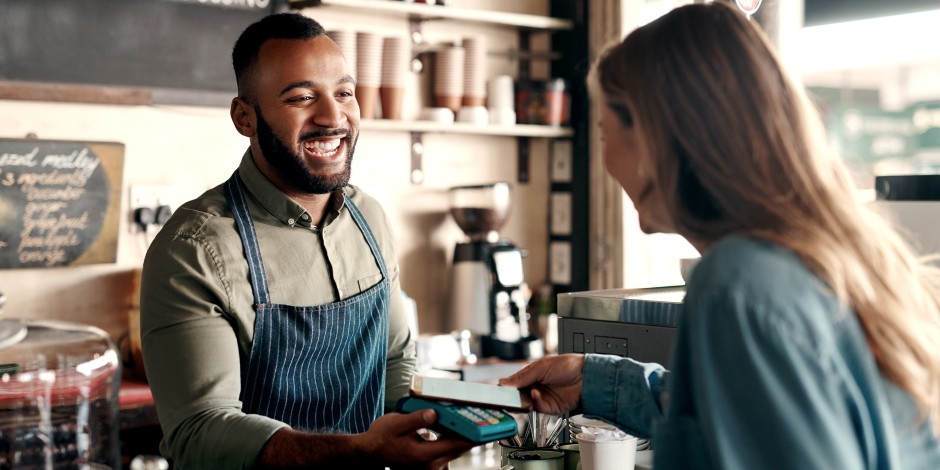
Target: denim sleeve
point(624, 392)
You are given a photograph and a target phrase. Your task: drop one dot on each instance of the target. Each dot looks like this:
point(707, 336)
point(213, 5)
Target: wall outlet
point(559, 254)
point(149, 197)
point(560, 223)
point(561, 161)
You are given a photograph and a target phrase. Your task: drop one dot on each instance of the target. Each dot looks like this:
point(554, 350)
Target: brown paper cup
point(473, 101)
point(451, 102)
point(366, 96)
point(391, 101)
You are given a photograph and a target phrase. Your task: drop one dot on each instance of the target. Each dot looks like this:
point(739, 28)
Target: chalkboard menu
point(155, 44)
point(59, 202)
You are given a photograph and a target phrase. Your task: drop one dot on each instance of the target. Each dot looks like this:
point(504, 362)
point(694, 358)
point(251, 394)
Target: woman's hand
point(554, 383)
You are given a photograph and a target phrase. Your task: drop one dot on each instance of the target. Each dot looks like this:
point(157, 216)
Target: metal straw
point(525, 433)
point(553, 435)
point(534, 427)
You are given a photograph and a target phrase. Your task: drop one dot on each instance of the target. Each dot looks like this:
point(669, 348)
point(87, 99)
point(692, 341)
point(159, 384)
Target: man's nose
point(329, 113)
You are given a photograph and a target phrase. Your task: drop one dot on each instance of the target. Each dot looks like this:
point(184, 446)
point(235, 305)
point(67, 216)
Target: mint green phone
point(473, 393)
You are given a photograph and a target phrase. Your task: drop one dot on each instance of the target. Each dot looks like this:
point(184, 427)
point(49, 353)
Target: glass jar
point(59, 385)
point(543, 102)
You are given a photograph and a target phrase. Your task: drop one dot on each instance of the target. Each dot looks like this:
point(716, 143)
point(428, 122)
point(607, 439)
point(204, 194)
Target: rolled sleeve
point(195, 360)
point(401, 363)
point(624, 392)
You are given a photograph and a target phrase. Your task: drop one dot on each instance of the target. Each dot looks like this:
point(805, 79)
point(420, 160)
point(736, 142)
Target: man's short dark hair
point(278, 26)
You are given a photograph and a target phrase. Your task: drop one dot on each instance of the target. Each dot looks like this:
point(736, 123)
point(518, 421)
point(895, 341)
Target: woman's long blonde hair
point(738, 148)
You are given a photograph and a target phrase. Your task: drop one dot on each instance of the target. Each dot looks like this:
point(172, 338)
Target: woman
point(809, 335)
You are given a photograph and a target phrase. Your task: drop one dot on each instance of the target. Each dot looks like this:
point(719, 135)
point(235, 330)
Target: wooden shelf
point(522, 133)
point(518, 130)
point(435, 12)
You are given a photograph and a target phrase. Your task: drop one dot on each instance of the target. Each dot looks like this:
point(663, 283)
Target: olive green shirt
point(197, 318)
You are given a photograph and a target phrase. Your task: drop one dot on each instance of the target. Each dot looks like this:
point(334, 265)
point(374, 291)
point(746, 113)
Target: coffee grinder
point(488, 290)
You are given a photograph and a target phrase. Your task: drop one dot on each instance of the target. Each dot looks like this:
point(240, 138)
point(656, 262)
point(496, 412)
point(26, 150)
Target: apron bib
point(316, 368)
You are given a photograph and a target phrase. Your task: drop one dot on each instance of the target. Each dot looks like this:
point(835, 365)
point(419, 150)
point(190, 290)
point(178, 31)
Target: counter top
point(486, 457)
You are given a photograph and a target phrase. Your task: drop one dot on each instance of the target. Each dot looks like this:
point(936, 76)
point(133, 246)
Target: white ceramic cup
point(502, 116)
point(500, 93)
point(442, 115)
point(607, 455)
point(473, 115)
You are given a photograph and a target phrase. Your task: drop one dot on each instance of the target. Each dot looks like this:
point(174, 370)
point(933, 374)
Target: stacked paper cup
point(396, 57)
point(346, 40)
point(474, 71)
point(500, 97)
point(368, 71)
point(448, 77)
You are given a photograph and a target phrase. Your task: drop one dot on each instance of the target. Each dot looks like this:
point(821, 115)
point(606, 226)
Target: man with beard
point(274, 333)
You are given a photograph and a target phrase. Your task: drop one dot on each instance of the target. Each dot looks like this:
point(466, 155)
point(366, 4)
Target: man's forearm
point(288, 449)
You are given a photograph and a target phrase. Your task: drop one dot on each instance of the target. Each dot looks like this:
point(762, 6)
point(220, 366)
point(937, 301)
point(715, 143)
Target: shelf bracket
point(417, 157)
point(522, 154)
point(414, 27)
point(523, 143)
point(525, 47)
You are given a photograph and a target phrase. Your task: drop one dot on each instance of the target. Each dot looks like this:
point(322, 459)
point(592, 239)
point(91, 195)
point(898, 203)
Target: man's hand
point(394, 439)
point(553, 382)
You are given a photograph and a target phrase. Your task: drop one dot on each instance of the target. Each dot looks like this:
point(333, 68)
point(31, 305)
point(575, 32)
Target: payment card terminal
point(475, 424)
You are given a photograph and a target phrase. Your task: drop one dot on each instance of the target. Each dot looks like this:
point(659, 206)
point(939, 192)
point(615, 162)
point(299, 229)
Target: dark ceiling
point(835, 11)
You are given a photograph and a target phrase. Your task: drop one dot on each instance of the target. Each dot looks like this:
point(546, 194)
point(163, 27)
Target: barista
point(274, 333)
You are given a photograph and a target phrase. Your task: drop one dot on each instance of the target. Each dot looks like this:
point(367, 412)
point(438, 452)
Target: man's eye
point(298, 99)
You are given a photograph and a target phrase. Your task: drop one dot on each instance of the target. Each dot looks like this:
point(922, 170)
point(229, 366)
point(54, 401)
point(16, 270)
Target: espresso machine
point(488, 293)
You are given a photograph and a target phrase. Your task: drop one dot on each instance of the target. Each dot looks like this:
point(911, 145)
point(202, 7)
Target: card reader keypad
point(478, 415)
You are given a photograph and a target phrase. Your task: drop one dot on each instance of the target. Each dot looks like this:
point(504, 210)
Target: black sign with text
point(59, 202)
point(157, 44)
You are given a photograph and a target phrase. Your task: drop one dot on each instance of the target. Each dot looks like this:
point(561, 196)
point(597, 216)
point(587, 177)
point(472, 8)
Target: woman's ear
point(243, 116)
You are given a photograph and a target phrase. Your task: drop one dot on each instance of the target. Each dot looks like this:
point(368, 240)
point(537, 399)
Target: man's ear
point(243, 116)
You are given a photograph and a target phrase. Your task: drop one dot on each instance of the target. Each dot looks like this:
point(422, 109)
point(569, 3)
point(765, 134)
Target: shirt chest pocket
point(365, 283)
point(354, 287)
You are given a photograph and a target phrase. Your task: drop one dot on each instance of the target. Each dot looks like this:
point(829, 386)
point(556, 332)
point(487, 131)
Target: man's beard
point(291, 168)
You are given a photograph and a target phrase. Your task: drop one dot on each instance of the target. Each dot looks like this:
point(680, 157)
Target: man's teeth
point(322, 145)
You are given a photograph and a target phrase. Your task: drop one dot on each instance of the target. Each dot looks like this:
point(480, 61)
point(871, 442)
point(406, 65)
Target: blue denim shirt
point(768, 372)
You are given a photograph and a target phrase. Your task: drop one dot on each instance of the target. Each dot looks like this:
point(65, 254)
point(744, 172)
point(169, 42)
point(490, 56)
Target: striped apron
point(319, 368)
